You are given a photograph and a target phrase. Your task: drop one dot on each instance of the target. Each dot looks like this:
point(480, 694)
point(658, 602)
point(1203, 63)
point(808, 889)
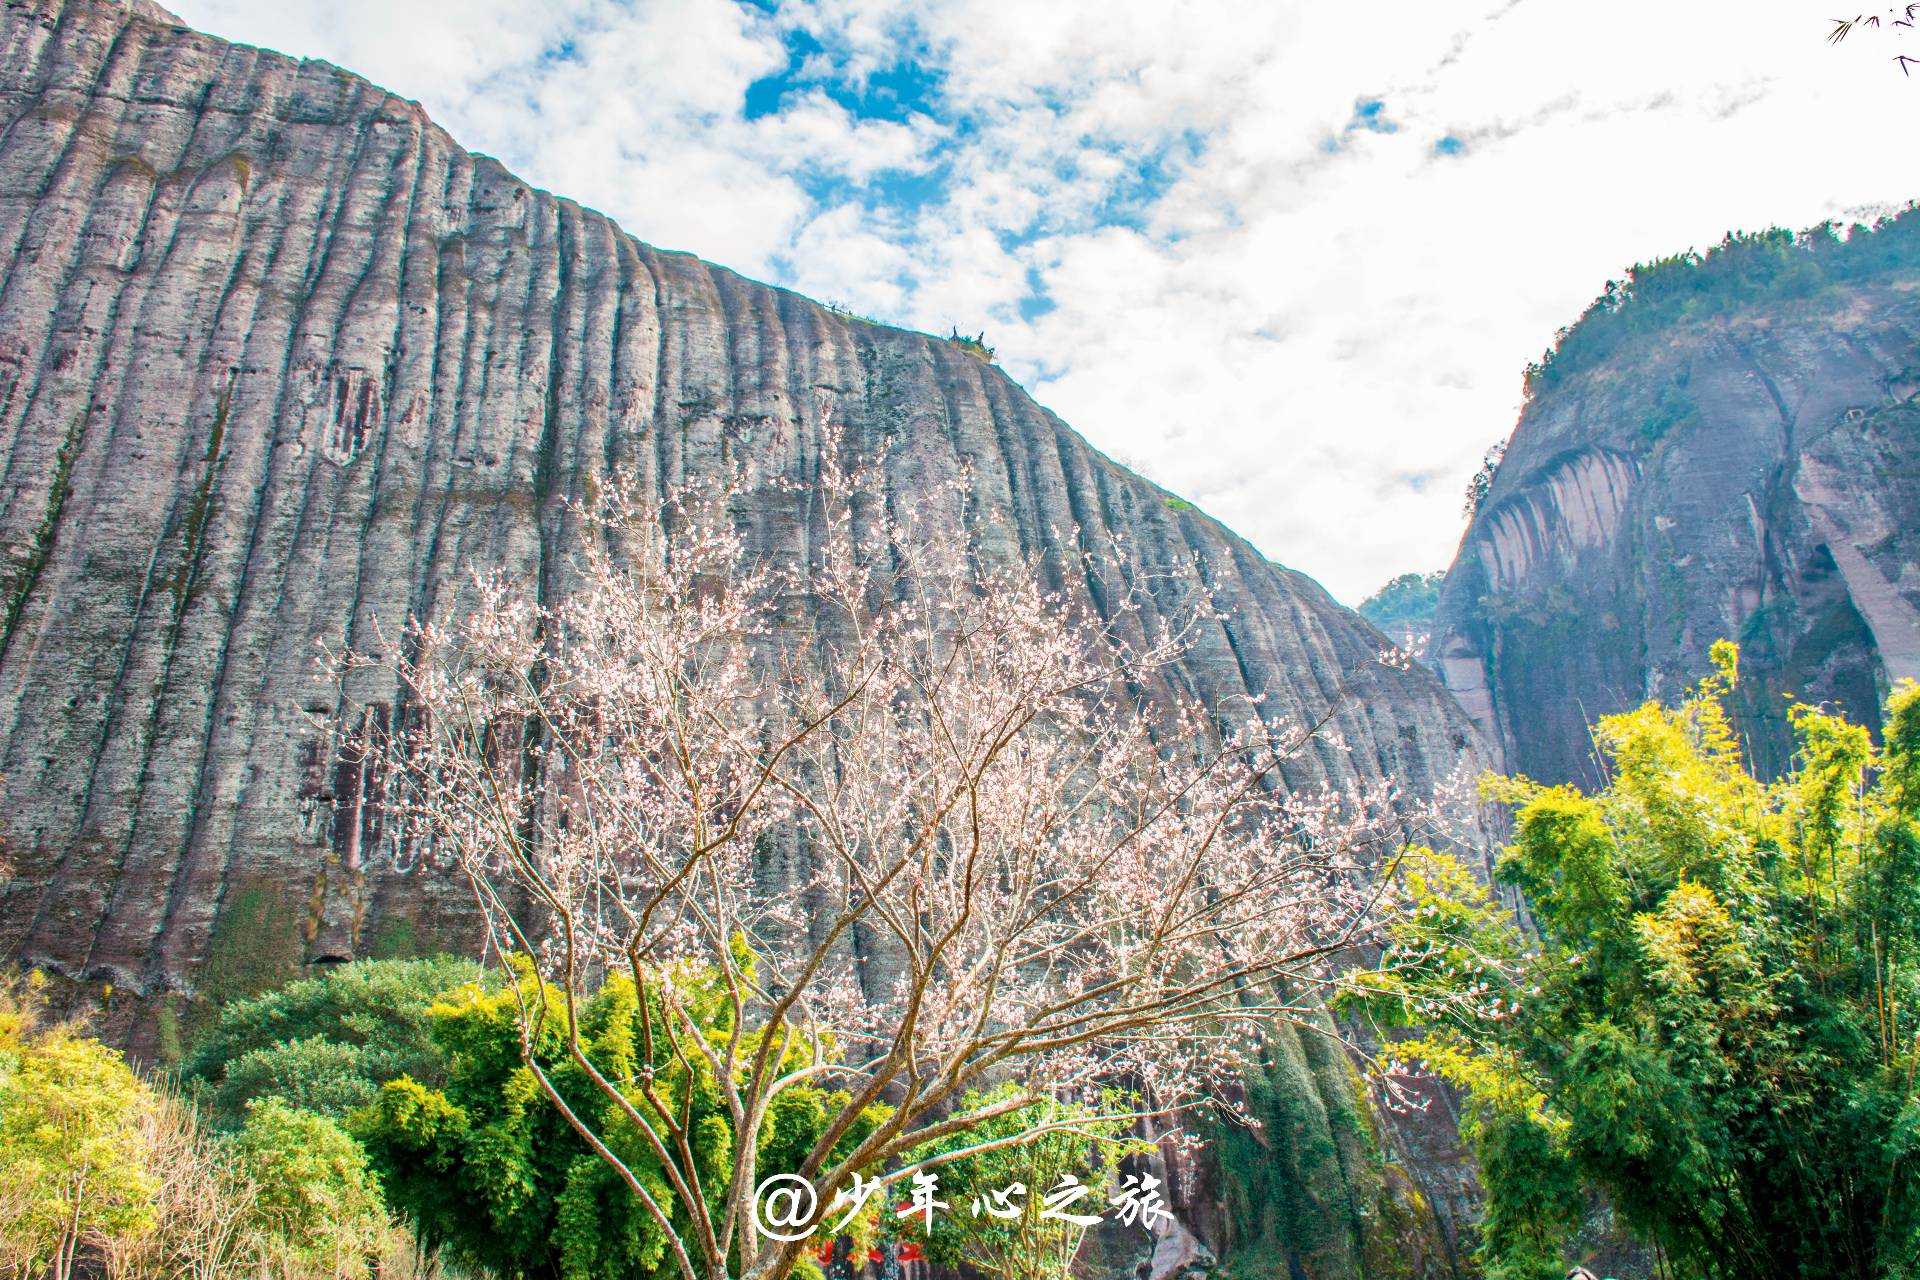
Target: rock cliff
point(1722, 448)
point(279, 362)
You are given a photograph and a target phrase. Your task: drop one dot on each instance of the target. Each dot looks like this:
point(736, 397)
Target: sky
point(1288, 258)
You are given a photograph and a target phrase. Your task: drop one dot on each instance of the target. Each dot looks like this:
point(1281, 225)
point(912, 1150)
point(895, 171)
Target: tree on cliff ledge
point(944, 842)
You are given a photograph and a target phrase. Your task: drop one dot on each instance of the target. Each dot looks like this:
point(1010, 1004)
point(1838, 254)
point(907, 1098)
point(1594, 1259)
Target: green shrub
point(72, 1171)
point(1087, 1146)
point(327, 1043)
point(489, 1168)
point(1716, 1018)
point(315, 1200)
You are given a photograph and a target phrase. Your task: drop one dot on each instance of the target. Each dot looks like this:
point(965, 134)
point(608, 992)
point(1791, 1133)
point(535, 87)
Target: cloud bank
point(1288, 260)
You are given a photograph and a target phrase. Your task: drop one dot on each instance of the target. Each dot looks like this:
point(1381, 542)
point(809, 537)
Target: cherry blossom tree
point(930, 824)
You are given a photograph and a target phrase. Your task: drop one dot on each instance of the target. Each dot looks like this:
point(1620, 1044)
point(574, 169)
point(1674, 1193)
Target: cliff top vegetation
point(1745, 268)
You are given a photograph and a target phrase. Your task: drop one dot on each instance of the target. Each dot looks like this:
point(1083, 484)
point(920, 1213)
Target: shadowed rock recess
point(280, 362)
point(1743, 470)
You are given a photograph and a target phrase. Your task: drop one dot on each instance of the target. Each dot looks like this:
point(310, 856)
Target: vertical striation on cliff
point(279, 362)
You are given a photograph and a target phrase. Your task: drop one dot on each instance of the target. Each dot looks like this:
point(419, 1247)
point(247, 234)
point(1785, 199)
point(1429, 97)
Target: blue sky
point(1287, 259)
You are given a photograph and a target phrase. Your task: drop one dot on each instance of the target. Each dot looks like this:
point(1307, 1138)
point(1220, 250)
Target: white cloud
point(1310, 329)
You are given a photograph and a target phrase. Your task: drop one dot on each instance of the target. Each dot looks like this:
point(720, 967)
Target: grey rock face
point(279, 362)
point(1751, 478)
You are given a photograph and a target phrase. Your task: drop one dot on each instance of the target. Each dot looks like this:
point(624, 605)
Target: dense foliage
point(487, 1167)
point(1404, 607)
point(103, 1170)
point(104, 1173)
point(327, 1043)
point(1717, 1024)
point(312, 1189)
point(71, 1173)
point(1655, 298)
point(1304, 1180)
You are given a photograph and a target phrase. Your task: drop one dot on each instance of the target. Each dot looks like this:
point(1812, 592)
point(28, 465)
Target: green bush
point(1087, 1145)
point(1717, 1021)
point(72, 1171)
point(315, 1199)
point(487, 1167)
point(327, 1043)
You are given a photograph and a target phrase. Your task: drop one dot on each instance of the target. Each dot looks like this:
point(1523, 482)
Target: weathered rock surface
point(279, 362)
point(1751, 476)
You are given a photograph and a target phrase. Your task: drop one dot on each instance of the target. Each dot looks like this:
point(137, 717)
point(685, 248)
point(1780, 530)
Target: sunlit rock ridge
point(280, 363)
point(1730, 455)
